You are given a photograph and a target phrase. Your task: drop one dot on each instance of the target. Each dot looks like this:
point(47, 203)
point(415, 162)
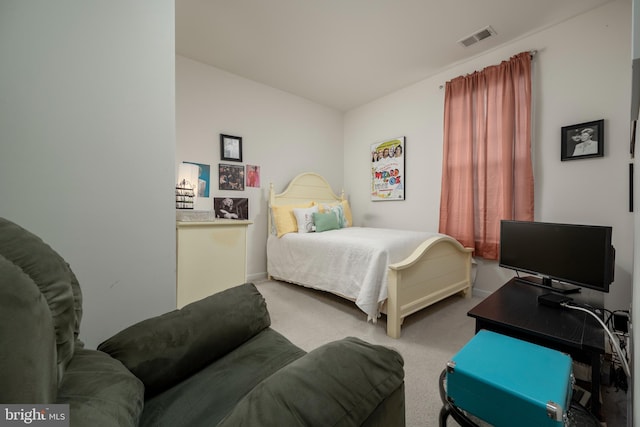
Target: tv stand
point(547, 283)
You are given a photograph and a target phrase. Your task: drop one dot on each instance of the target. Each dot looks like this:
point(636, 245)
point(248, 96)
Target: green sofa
point(213, 362)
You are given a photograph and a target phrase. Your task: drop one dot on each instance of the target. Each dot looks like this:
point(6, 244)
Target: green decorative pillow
point(338, 210)
point(325, 221)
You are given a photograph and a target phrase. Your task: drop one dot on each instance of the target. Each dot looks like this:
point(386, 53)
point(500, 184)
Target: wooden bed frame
point(438, 268)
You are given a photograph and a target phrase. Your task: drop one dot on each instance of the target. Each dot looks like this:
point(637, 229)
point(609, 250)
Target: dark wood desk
point(513, 310)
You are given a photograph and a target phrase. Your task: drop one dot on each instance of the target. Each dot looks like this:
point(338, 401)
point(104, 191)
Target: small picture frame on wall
point(583, 140)
point(204, 178)
point(231, 177)
point(252, 176)
point(231, 148)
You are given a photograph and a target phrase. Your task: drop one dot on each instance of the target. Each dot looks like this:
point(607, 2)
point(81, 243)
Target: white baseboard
point(256, 277)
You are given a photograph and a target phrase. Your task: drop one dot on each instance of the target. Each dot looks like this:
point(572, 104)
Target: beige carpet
point(429, 338)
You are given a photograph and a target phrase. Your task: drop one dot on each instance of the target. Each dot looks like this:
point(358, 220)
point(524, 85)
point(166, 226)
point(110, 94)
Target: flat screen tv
point(559, 254)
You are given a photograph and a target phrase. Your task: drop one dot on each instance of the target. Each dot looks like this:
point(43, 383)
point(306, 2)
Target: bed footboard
point(438, 268)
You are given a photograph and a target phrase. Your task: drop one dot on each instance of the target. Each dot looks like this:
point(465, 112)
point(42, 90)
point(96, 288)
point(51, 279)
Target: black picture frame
point(230, 148)
point(582, 140)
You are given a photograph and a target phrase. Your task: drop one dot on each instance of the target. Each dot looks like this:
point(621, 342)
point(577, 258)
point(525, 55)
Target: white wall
point(282, 133)
point(87, 124)
point(581, 73)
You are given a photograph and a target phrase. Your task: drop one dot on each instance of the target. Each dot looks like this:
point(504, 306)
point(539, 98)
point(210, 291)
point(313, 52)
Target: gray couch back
point(40, 313)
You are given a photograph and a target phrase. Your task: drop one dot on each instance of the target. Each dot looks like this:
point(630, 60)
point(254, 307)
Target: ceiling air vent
point(477, 36)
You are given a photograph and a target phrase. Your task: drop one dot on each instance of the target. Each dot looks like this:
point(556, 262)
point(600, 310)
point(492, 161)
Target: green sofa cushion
point(165, 350)
point(338, 384)
point(100, 391)
point(202, 400)
point(28, 354)
point(54, 279)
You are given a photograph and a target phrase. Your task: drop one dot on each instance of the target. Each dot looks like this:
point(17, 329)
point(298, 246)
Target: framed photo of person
point(231, 207)
point(252, 175)
point(582, 141)
point(231, 148)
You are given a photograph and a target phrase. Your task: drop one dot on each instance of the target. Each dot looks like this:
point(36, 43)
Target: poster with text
point(387, 169)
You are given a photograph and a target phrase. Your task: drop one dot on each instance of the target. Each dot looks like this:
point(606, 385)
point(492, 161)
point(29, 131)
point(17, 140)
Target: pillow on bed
point(325, 221)
point(304, 218)
point(341, 209)
point(284, 219)
point(347, 213)
point(338, 212)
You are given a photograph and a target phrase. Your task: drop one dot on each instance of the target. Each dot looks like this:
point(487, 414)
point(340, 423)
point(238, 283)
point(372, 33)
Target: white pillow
point(304, 217)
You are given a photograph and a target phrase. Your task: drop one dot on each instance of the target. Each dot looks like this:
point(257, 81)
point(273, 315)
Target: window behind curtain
point(487, 174)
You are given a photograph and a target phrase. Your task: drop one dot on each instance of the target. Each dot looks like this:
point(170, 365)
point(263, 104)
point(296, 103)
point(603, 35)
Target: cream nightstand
point(211, 257)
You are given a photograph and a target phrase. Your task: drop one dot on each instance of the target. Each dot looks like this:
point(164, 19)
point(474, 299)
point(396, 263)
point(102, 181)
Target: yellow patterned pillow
point(284, 219)
point(347, 212)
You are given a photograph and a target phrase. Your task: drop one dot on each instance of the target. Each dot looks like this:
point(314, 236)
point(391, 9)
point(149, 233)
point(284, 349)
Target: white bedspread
point(351, 262)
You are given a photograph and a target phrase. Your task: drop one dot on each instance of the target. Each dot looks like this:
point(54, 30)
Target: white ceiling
point(344, 53)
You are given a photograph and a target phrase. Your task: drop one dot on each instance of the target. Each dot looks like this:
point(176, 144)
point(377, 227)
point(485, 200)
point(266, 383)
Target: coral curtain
point(487, 173)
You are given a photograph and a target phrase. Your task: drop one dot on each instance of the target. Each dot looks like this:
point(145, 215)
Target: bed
point(395, 272)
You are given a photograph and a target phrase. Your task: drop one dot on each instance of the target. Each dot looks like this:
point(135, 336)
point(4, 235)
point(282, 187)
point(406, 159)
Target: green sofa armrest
point(338, 384)
point(100, 391)
point(164, 350)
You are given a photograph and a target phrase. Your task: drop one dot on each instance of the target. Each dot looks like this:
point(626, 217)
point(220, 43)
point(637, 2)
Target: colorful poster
point(204, 177)
point(253, 176)
point(387, 170)
point(231, 177)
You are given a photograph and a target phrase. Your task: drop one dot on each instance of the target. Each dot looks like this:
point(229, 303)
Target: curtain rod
point(532, 52)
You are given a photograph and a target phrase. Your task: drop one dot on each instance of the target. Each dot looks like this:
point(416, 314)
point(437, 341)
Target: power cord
point(614, 342)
